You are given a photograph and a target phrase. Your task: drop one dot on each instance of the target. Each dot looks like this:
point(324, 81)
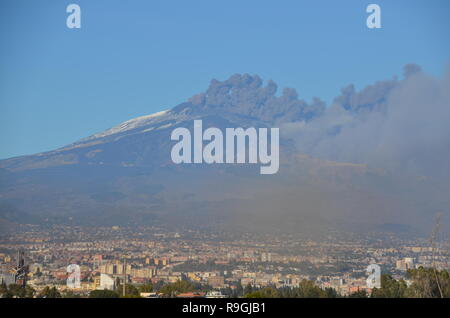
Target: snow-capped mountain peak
point(130, 124)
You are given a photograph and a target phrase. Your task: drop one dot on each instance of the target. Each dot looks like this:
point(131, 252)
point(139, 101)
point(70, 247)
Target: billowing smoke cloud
point(400, 125)
point(245, 95)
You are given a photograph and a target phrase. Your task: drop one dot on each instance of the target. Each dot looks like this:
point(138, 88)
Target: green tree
point(70, 294)
point(239, 290)
point(267, 292)
point(390, 288)
point(3, 290)
point(29, 291)
point(180, 286)
point(103, 294)
point(16, 291)
point(49, 292)
point(248, 289)
point(307, 289)
point(359, 294)
point(255, 294)
point(428, 283)
point(330, 293)
point(146, 288)
point(130, 291)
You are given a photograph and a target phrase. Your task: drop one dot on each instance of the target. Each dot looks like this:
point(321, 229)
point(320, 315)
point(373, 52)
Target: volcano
point(125, 175)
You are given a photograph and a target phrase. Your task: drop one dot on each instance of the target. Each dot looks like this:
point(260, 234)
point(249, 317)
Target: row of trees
point(17, 291)
point(306, 289)
point(131, 291)
point(425, 283)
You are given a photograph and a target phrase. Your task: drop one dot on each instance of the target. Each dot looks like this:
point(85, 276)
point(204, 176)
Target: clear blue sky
point(132, 58)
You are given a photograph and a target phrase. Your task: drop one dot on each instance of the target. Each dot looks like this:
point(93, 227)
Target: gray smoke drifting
point(246, 95)
point(398, 125)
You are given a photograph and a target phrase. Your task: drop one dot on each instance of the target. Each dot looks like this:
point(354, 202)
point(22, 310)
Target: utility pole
point(124, 276)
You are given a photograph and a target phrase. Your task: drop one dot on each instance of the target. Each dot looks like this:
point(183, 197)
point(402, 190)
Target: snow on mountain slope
point(130, 124)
